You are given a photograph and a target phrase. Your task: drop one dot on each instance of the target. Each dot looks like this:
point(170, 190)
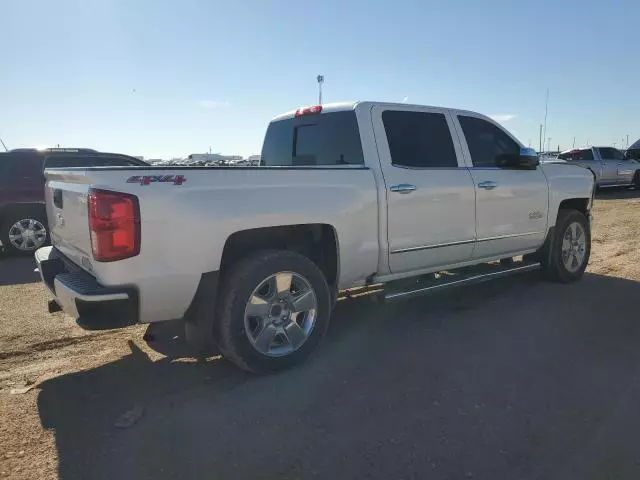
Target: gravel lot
point(518, 378)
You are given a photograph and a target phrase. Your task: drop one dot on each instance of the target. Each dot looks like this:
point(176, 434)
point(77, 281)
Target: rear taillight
point(114, 223)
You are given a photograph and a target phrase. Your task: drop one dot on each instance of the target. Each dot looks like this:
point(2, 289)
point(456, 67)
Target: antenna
point(6, 149)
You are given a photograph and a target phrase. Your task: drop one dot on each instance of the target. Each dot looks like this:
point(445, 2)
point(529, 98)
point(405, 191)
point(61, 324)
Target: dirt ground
point(516, 378)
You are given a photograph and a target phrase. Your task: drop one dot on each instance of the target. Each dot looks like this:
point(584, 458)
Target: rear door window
point(5, 160)
point(419, 139)
point(329, 139)
point(609, 153)
point(24, 166)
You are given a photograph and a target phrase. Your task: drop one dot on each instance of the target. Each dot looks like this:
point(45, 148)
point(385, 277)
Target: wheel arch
point(579, 204)
point(317, 241)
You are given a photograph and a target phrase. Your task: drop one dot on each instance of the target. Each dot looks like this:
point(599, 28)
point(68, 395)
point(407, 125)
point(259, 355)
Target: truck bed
point(188, 213)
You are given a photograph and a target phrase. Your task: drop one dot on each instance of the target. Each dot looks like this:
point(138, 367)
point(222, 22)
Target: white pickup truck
point(350, 198)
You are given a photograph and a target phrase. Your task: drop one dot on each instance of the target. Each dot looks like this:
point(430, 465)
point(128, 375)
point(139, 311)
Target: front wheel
point(571, 247)
point(273, 311)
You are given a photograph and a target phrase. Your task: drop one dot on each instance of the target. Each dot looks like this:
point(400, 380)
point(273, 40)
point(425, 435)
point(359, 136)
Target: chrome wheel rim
point(280, 314)
point(574, 247)
point(27, 234)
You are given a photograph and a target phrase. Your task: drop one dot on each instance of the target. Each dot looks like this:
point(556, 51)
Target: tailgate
point(66, 198)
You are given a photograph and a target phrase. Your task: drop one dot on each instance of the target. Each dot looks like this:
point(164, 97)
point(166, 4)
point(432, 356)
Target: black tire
point(23, 214)
point(553, 264)
point(239, 284)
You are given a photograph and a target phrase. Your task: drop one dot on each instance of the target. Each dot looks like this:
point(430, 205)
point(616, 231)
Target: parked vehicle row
point(23, 221)
point(610, 166)
point(362, 196)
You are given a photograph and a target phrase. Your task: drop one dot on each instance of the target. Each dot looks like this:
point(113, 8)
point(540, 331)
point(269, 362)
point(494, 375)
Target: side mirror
point(526, 160)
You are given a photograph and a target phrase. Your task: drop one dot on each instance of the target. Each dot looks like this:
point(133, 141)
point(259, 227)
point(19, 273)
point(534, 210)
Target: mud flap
point(199, 320)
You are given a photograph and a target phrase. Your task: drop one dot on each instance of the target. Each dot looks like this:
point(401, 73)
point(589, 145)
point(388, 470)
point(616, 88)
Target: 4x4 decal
point(148, 179)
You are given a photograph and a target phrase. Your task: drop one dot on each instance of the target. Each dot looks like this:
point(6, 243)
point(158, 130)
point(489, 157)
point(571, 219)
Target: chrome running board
point(446, 280)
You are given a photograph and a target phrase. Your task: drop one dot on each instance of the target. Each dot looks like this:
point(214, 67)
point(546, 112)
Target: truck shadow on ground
point(517, 378)
point(617, 193)
point(15, 270)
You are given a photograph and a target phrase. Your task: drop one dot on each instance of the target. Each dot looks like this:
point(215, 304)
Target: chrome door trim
point(438, 245)
point(513, 235)
point(463, 242)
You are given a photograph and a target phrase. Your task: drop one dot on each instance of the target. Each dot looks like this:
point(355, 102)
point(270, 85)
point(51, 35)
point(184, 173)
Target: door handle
point(488, 185)
point(403, 188)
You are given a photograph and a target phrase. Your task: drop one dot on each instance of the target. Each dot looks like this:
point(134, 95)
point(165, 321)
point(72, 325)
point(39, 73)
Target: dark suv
point(23, 221)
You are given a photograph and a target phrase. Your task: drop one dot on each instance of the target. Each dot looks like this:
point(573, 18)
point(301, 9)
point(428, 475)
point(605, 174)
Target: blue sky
point(164, 78)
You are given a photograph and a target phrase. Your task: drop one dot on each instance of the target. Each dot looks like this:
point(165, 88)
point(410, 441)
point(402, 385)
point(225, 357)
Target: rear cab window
point(323, 139)
point(69, 161)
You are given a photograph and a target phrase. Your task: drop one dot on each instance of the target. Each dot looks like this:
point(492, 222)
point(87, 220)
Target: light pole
point(546, 111)
point(320, 79)
point(540, 138)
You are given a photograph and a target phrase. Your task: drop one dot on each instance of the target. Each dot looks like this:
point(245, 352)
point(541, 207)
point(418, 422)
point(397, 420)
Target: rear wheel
point(273, 310)
point(570, 248)
point(24, 231)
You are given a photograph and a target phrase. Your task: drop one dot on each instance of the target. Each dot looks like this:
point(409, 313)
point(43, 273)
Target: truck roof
point(47, 151)
point(345, 106)
point(577, 149)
